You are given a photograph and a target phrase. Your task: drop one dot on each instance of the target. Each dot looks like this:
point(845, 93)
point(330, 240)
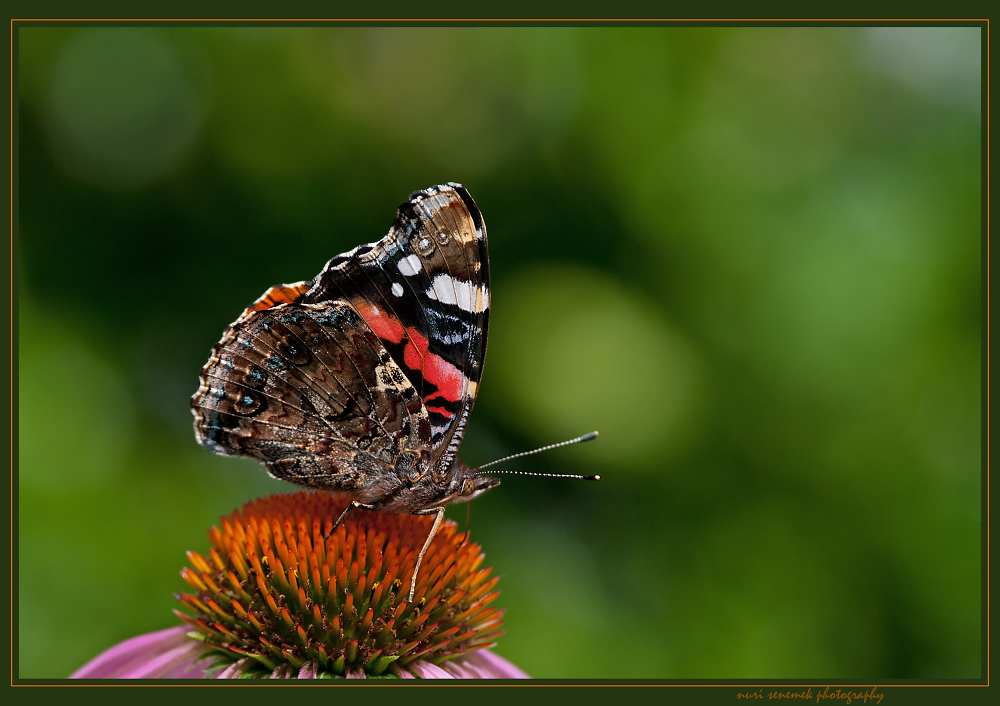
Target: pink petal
point(488, 665)
point(308, 671)
point(426, 670)
point(179, 658)
point(234, 670)
point(454, 669)
point(132, 655)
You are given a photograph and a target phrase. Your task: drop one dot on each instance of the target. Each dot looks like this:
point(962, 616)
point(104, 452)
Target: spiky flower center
point(280, 587)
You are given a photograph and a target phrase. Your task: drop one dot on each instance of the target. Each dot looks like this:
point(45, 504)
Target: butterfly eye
point(468, 486)
point(256, 377)
point(295, 352)
point(248, 403)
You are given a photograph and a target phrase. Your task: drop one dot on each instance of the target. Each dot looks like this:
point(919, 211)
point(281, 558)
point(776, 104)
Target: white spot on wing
point(465, 295)
point(397, 289)
point(409, 265)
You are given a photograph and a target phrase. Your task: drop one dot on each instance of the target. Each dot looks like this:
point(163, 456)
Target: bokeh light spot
point(942, 63)
point(122, 111)
point(574, 351)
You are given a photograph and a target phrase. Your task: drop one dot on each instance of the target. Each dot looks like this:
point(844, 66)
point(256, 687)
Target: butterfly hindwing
point(309, 391)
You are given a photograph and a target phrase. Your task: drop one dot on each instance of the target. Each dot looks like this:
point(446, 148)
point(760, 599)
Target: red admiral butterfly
point(362, 380)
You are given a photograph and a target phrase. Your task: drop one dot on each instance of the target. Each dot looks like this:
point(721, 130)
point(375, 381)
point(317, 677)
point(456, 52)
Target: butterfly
point(361, 380)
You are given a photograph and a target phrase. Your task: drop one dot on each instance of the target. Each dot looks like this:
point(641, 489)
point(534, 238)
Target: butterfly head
point(463, 483)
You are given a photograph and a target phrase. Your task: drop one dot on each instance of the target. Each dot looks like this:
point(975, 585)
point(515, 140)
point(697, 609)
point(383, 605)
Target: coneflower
point(280, 595)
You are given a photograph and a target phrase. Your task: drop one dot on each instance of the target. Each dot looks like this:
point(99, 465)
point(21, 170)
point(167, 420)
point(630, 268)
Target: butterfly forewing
point(424, 290)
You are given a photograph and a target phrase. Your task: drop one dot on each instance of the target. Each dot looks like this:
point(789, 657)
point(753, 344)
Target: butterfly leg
point(420, 557)
point(468, 521)
point(350, 507)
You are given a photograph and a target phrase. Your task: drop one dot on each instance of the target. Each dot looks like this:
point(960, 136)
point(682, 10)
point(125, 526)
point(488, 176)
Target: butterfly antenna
point(577, 440)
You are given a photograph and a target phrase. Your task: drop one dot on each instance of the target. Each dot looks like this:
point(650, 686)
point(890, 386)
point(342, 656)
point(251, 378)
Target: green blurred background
point(750, 257)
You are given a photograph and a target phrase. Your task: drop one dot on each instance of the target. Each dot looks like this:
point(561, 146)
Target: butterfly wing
point(326, 382)
point(424, 291)
point(309, 391)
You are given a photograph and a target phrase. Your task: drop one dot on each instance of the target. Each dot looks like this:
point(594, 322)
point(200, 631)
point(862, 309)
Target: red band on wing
point(442, 411)
point(448, 379)
point(382, 324)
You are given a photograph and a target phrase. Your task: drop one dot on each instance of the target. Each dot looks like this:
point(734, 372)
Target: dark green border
point(718, 691)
